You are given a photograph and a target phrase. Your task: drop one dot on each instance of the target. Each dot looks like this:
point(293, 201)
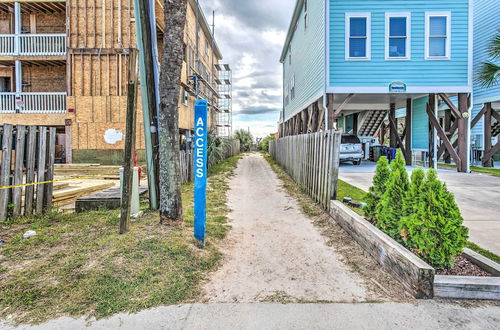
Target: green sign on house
point(397, 87)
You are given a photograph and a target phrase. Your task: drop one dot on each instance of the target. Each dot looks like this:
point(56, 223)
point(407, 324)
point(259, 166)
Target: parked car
point(351, 149)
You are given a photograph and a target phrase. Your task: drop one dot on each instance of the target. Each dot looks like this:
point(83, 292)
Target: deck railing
point(45, 103)
point(33, 44)
point(7, 44)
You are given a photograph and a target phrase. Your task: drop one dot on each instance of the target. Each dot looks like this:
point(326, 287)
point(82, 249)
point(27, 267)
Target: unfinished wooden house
point(63, 63)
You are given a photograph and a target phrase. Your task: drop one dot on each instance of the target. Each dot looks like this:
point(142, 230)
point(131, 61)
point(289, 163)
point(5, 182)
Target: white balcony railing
point(7, 44)
point(32, 44)
point(45, 103)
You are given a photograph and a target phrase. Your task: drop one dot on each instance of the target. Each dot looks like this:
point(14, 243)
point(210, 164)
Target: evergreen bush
point(389, 210)
point(378, 189)
point(435, 229)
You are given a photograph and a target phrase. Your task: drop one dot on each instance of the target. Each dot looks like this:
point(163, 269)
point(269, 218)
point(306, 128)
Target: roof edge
point(291, 29)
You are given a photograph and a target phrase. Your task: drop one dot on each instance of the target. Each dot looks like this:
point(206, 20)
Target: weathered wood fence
point(312, 160)
point(187, 168)
point(28, 156)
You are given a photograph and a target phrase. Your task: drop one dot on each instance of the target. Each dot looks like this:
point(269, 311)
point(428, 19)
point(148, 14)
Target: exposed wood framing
point(408, 132)
point(446, 141)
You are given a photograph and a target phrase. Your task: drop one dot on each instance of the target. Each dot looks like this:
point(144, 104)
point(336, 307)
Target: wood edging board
point(482, 262)
point(467, 287)
point(415, 274)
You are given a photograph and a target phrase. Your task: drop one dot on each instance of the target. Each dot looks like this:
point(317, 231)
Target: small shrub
point(411, 203)
point(389, 210)
point(375, 192)
point(435, 229)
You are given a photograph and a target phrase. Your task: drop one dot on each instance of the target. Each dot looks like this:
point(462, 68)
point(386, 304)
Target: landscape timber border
point(417, 276)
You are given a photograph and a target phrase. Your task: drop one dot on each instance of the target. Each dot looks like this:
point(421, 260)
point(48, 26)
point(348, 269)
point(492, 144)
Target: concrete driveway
point(477, 195)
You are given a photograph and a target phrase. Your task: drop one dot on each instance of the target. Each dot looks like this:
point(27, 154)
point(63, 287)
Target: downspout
point(327, 67)
point(469, 133)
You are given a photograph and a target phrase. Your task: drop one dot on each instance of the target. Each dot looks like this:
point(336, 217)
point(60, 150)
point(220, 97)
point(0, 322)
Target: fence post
point(30, 171)
point(18, 170)
point(5, 170)
point(335, 164)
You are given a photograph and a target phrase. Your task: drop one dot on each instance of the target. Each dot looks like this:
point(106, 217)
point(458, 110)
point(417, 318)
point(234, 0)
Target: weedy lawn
point(79, 265)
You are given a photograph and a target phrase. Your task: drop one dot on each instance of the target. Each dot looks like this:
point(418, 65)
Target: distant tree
point(489, 72)
point(170, 79)
point(264, 144)
point(378, 188)
point(246, 139)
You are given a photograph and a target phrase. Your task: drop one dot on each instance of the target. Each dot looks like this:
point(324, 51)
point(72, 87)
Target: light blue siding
point(379, 72)
point(308, 59)
point(477, 132)
point(486, 24)
point(420, 124)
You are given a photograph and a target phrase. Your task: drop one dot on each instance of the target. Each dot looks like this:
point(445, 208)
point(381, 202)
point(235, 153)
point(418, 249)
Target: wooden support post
point(408, 123)
point(68, 151)
point(128, 173)
point(487, 162)
point(355, 121)
point(382, 133)
point(432, 142)
point(447, 128)
point(435, 125)
point(462, 131)
point(399, 142)
point(393, 129)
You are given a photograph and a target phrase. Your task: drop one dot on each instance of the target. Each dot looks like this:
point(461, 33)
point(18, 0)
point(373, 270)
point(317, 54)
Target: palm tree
point(246, 139)
point(489, 73)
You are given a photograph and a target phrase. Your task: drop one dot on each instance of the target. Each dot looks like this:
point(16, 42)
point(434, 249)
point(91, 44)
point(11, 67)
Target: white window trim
point(368, 17)
point(428, 15)
point(388, 16)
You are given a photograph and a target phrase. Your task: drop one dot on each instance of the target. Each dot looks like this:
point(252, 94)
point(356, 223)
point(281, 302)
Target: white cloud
point(250, 35)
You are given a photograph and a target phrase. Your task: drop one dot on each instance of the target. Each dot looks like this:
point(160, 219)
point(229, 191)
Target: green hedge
point(420, 213)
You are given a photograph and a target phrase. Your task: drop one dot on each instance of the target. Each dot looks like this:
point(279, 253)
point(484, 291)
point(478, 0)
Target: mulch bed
point(463, 267)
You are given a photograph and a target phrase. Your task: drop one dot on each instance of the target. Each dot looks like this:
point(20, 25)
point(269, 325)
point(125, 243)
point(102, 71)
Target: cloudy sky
point(250, 34)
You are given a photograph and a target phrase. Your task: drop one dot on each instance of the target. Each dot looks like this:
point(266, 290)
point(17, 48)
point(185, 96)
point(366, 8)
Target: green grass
point(491, 171)
point(78, 264)
point(483, 252)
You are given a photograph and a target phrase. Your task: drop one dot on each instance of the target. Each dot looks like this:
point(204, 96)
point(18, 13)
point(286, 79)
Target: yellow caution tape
point(53, 181)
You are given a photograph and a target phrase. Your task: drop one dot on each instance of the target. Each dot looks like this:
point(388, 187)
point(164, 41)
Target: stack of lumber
point(71, 194)
point(79, 170)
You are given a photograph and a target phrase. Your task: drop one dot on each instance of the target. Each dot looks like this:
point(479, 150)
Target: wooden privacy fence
point(187, 166)
point(312, 160)
point(28, 156)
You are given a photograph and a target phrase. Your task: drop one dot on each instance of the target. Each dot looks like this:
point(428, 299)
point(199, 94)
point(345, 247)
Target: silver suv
point(351, 149)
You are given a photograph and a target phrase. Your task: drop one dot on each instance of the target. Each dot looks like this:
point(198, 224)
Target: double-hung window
point(437, 35)
point(358, 36)
point(398, 36)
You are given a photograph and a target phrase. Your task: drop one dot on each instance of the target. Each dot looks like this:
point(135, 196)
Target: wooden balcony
point(33, 103)
point(33, 45)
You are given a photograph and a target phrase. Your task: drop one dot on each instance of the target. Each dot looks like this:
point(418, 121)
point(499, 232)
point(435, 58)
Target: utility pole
point(150, 96)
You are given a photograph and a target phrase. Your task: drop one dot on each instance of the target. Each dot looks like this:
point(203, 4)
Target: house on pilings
point(63, 64)
point(356, 62)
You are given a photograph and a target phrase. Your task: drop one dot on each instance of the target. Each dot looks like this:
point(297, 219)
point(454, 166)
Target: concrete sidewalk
point(424, 315)
point(477, 195)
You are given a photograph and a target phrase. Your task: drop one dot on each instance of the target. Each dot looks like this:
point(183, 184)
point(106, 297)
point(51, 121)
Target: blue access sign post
point(200, 169)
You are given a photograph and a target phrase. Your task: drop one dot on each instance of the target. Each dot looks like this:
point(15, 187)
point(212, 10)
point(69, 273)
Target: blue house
point(486, 122)
point(350, 63)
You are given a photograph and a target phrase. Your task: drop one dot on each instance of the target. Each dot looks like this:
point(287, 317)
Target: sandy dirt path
point(274, 252)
